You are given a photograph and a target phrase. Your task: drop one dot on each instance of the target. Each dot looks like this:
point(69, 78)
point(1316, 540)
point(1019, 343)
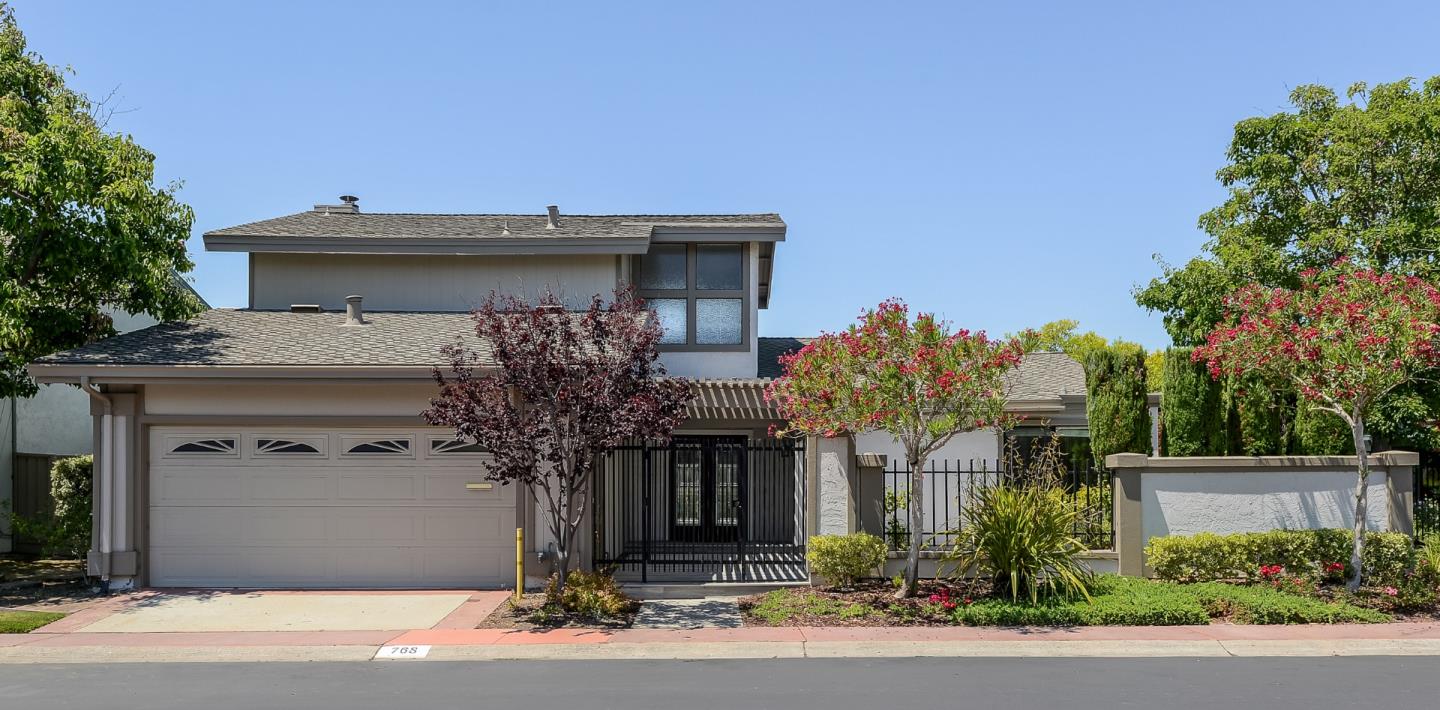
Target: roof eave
point(70, 373)
point(414, 245)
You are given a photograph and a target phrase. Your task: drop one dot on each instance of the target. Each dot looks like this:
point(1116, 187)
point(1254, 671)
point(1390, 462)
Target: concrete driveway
point(192, 611)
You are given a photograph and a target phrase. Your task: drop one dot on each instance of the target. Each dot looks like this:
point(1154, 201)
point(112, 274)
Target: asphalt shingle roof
point(382, 225)
point(1039, 376)
point(227, 337)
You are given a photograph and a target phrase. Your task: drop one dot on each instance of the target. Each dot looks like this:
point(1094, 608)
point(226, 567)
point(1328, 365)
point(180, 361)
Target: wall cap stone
point(871, 460)
point(1233, 463)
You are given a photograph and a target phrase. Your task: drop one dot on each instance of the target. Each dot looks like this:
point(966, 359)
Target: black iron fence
point(950, 485)
point(722, 508)
point(1427, 495)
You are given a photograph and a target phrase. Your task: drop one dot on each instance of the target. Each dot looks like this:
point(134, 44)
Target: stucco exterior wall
point(977, 446)
point(403, 282)
point(1185, 503)
point(358, 399)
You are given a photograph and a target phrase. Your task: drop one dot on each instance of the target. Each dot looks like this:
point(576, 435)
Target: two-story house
point(280, 445)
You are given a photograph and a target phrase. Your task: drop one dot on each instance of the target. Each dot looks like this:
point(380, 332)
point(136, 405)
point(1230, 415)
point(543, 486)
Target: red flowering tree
point(1346, 337)
point(916, 380)
point(546, 391)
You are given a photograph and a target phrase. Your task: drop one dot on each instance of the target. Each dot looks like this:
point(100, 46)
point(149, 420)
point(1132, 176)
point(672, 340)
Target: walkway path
point(707, 613)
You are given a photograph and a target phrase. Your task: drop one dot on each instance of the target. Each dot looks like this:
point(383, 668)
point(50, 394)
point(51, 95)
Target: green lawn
point(1115, 601)
point(19, 622)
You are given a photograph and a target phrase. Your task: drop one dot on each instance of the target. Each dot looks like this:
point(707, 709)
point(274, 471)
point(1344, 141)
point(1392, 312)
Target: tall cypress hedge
point(1321, 433)
point(1260, 415)
point(1115, 402)
point(1192, 409)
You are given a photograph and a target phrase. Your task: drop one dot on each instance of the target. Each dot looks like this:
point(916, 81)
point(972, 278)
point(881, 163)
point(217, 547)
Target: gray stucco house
point(280, 445)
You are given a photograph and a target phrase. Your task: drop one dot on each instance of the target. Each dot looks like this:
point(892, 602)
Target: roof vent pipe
point(552, 218)
point(354, 314)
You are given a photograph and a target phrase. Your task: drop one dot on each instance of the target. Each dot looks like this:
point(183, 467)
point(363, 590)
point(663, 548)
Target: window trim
point(691, 293)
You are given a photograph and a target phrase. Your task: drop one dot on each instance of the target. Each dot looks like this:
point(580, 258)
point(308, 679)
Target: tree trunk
point(1362, 489)
point(916, 497)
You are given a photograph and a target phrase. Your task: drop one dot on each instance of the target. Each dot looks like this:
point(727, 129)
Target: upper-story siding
point(408, 282)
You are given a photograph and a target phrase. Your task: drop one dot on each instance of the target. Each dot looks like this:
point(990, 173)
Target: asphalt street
point(798, 684)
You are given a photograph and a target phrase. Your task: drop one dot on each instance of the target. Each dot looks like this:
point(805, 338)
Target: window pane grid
point(704, 308)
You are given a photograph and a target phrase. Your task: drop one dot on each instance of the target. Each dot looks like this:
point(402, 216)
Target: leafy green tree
point(912, 378)
point(1116, 402)
point(1260, 410)
point(1192, 411)
point(1063, 336)
point(1357, 177)
point(1345, 339)
point(82, 224)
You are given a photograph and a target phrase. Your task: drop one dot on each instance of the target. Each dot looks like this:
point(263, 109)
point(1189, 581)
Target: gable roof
point(1040, 376)
point(322, 230)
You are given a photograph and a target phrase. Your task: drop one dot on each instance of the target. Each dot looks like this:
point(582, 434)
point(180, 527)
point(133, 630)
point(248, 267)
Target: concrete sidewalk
point(495, 644)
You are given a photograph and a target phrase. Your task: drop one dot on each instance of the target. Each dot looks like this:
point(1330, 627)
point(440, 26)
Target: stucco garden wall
point(1159, 496)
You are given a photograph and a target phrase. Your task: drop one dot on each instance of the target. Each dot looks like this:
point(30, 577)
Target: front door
point(705, 483)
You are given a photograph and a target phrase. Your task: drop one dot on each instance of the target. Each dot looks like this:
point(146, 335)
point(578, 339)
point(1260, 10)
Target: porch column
point(113, 556)
point(836, 478)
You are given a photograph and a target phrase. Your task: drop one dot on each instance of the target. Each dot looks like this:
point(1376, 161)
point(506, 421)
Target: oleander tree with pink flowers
point(1346, 337)
point(914, 378)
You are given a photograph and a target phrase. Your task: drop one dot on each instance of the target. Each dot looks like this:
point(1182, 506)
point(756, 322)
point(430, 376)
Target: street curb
point(734, 650)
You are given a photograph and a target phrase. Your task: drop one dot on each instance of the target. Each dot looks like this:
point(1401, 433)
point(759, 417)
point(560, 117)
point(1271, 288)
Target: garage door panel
point(333, 519)
point(290, 486)
point(396, 527)
point(399, 488)
point(170, 485)
point(479, 527)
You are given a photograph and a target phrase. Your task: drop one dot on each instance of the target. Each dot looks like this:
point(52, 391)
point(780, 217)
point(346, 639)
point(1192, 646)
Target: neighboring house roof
point(1040, 376)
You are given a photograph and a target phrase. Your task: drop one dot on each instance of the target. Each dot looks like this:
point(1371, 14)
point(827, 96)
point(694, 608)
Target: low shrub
point(845, 559)
point(1314, 554)
point(65, 530)
point(593, 596)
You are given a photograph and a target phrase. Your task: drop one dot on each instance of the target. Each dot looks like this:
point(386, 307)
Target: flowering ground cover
point(1114, 601)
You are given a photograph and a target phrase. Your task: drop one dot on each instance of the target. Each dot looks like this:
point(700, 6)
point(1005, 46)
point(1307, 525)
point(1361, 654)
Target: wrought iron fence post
point(646, 522)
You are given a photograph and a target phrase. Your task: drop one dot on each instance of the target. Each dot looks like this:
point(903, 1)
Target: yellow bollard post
point(519, 563)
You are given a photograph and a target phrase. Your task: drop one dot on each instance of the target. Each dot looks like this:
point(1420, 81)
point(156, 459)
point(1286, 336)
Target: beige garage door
point(286, 507)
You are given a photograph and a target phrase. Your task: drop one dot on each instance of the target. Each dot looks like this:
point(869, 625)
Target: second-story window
point(699, 293)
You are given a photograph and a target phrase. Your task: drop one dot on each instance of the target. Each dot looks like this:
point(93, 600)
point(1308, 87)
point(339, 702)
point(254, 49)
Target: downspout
point(103, 478)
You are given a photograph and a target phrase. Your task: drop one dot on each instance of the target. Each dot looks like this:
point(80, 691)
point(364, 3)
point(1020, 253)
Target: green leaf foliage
point(1191, 407)
point(1022, 536)
point(65, 530)
point(1258, 411)
point(1116, 402)
point(1320, 433)
point(83, 226)
point(1207, 557)
point(844, 559)
point(1357, 177)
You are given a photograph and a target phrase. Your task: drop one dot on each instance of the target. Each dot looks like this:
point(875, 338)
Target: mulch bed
point(875, 595)
point(522, 616)
point(17, 568)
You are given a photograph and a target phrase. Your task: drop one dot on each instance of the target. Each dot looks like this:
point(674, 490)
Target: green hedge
point(1209, 557)
point(1116, 403)
point(1259, 413)
point(65, 531)
point(1321, 433)
point(1192, 412)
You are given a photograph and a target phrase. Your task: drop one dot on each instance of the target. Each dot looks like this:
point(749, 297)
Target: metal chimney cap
point(552, 216)
point(349, 199)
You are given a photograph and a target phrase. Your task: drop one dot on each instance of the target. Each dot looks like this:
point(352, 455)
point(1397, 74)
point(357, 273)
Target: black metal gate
point(1427, 494)
point(702, 508)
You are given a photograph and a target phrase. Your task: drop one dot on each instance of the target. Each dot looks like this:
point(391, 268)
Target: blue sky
point(999, 163)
